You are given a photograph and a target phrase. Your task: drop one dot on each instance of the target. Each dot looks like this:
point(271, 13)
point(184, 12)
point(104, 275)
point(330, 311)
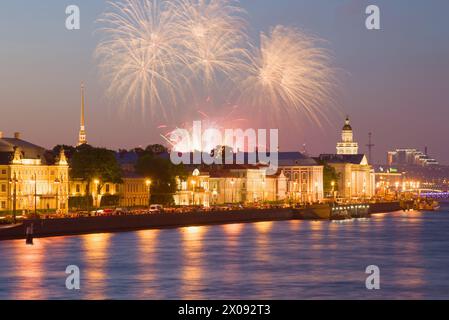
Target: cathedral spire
point(82, 134)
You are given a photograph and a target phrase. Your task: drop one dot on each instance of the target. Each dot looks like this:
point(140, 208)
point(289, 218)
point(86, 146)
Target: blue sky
point(395, 83)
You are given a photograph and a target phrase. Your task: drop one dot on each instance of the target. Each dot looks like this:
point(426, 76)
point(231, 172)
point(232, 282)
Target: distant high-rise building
point(82, 134)
point(409, 156)
point(347, 144)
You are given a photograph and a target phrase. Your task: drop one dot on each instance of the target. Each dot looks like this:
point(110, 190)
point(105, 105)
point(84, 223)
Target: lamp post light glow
point(14, 203)
point(57, 182)
point(263, 191)
point(193, 191)
point(35, 194)
point(148, 184)
point(350, 191)
point(96, 192)
point(333, 189)
point(232, 189)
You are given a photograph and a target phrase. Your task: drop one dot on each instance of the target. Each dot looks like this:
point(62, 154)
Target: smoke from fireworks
point(288, 74)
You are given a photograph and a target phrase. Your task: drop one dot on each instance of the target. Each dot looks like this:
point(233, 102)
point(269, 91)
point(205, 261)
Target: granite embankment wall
point(59, 227)
point(62, 227)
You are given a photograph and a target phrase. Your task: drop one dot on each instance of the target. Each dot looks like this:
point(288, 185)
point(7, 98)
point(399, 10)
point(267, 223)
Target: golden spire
point(82, 104)
point(82, 134)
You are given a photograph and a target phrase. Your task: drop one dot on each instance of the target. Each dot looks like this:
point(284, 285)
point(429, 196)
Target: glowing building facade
point(356, 176)
point(30, 179)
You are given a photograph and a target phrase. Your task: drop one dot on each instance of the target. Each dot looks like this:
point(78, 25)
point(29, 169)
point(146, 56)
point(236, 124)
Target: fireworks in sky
point(161, 53)
point(219, 122)
point(139, 56)
point(288, 75)
point(212, 37)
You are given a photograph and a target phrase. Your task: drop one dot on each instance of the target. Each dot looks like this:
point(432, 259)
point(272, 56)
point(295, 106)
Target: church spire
point(82, 134)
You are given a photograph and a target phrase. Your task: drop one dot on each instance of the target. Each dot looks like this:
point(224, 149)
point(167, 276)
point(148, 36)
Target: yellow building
point(247, 184)
point(133, 192)
point(28, 180)
point(304, 177)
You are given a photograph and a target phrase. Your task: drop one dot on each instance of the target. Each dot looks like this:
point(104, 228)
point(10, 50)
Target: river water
point(266, 260)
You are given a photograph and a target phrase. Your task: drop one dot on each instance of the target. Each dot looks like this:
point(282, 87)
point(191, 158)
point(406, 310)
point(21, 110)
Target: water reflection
point(147, 255)
point(96, 255)
point(295, 225)
point(192, 272)
point(28, 269)
point(283, 260)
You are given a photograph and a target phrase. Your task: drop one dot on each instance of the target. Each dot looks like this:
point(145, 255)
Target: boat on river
point(426, 205)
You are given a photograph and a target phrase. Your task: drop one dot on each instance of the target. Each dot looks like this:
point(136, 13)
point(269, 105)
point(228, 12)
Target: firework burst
point(151, 50)
point(161, 52)
point(212, 34)
point(139, 56)
point(288, 75)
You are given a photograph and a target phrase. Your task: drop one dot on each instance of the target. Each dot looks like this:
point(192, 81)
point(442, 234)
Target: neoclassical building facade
point(356, 178)
point(29, 181)
point(299, 179)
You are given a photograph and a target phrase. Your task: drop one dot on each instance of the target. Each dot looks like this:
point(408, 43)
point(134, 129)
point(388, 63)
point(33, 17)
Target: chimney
point(16, 135)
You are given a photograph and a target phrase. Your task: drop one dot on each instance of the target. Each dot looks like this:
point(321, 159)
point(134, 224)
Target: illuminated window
point(3, 205)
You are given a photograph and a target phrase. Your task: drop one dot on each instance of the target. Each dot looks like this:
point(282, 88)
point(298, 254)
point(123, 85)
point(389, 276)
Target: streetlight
point(263, 191)
point(350, 191)
point(57, 194)
point(193, 192)
point(35, 194)
point(214, 196)
point(232, 189)
point(295, 192)
point(148, 184)
point(14, 201)
point(333, 190)
point(97, 183)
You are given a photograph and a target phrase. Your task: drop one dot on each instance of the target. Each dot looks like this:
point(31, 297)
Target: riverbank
point(120, 223)
point(76, 226)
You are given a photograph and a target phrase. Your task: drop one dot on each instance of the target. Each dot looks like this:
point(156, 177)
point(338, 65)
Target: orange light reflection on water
point(96, 255)
point(191, 275)
point(147, 244)
point(29, 268)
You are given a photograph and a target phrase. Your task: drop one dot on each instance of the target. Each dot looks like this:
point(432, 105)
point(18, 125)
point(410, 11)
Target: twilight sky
point(395, 81)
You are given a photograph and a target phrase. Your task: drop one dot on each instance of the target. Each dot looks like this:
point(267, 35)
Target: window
point(3, 187)
point(3, 205)
point(3, 171)
point(107, 188)
point(78, 189)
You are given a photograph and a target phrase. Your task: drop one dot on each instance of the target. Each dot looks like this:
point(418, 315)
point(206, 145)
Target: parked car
point(156, 208)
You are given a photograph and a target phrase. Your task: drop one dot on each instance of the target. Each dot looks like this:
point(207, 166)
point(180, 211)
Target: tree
point(156, 149)
point(89, 163)
point(329, 176)
point(162, 174)
point(68, 150)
